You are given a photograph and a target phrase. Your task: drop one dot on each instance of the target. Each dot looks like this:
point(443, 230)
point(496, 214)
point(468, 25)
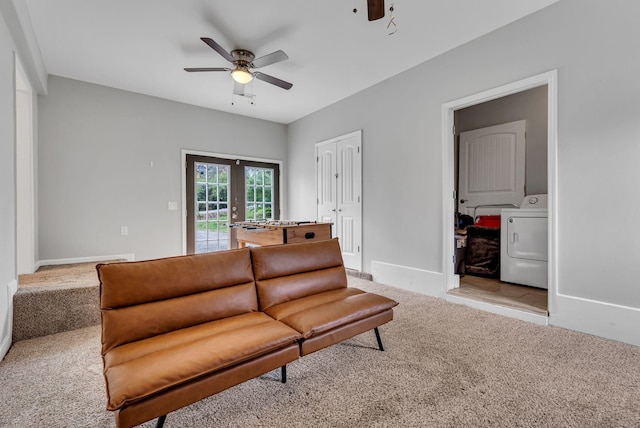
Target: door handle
point(339, 209)
point(514, 238)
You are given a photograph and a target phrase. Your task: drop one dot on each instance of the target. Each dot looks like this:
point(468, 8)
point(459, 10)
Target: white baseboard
point(431, 283)
point(499, 310)
point(127, 257)
point(603, 319)
point(408, 278)
point(611, 321)
point(13, 288)
point(5, 344)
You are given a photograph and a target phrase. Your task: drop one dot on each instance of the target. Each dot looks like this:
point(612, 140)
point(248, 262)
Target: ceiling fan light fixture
point(241, 75)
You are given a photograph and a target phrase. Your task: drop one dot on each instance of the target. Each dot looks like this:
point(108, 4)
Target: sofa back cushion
point(144, 299)
point(288, 272)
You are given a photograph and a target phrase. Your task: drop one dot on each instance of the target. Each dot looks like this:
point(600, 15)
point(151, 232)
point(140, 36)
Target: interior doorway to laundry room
point(481, 235)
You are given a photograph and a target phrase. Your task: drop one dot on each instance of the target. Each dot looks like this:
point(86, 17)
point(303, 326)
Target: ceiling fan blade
point(238, 89)
point(208, 69)
point(216, 47)
point(273, 80)
point(375, 9)
point(272, 58)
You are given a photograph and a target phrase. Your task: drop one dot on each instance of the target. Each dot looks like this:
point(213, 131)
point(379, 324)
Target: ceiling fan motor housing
point(242, 57)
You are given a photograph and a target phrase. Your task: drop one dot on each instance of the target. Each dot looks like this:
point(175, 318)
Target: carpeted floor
point(63, 276)
point(55, 299)
point(445, 365)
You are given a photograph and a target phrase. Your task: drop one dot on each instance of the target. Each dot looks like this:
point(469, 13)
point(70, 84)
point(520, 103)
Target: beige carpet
point(62, 276)
point(56, 299)
point(445, 365)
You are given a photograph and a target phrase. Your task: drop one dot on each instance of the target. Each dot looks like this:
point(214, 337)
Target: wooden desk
point(274, 233)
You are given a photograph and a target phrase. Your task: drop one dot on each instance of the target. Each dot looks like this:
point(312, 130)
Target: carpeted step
point(40, 311)
point(55, 299)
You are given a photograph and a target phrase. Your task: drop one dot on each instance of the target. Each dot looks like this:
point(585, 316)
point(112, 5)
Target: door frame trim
point(550, 78)
point(25, 173)
point(183, 176)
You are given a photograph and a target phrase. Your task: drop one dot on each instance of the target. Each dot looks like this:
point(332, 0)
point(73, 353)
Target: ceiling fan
point(244, 63)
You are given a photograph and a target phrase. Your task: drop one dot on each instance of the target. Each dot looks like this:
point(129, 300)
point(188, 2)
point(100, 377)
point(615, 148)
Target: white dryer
point(524, 243)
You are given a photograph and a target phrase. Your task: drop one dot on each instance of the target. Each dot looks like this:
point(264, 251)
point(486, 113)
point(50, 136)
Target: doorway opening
point(219, 191)
point(484, 288)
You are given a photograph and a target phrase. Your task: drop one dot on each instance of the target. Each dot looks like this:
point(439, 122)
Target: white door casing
point(339, 193)
point(25, 202)
point(550, 79)
point(491, 167)
point(25, 174)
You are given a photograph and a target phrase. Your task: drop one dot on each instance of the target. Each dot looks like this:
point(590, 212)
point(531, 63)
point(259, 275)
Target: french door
point(221, 192)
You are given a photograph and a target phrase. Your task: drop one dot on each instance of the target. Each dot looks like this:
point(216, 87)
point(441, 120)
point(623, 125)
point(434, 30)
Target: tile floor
point(493, 290)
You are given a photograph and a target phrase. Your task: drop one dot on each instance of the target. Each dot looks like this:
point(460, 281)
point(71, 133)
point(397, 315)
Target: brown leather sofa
point(179, 329)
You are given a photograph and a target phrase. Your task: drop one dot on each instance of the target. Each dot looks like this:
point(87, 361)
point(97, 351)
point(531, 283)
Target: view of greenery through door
point(258, 193)
point(222, 192)
point(212, 199)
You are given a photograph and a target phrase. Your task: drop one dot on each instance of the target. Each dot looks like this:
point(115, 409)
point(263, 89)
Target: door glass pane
point(258, 193)
point(211, 199)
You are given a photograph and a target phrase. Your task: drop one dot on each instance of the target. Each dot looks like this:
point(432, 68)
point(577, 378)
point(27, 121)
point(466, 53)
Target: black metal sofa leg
point(378, 338)
point(283, 373)
point(160, 422)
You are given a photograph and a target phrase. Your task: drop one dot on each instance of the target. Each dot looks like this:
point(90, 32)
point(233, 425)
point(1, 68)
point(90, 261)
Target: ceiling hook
point(392, 21)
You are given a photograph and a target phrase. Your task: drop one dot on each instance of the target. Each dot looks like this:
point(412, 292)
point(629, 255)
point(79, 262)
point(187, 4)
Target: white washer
point(524, 243)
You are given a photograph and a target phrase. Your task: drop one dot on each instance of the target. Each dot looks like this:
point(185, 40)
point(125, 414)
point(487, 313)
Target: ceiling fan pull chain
point(392, 21)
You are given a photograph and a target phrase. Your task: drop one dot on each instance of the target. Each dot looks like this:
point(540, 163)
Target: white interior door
point(326, 182)
point(339, 192)
point(491, 167)
point(349, 219)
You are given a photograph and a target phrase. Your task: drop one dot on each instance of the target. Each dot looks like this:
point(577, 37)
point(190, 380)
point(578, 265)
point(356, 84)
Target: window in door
point(258, 193)
point(212, 207)
point(221, 192)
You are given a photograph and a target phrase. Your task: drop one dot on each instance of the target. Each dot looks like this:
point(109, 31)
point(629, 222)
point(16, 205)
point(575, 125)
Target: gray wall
point(7, 175)
point(96, 145)
point(589, 43)
point(530, 105)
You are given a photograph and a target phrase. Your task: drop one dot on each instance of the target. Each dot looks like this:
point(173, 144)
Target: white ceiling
point(143, 45)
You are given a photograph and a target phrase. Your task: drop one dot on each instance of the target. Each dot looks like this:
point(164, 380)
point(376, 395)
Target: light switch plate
point(173, 206)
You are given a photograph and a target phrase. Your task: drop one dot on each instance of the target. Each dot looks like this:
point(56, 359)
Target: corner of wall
point(408, 278)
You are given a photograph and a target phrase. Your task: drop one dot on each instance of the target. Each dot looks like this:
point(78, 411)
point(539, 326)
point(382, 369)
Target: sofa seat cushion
point(316, 314)
point(140, 369)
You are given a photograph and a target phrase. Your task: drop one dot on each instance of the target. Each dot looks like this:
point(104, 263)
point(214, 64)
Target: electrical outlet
point(173, 206)
point(124, 230)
